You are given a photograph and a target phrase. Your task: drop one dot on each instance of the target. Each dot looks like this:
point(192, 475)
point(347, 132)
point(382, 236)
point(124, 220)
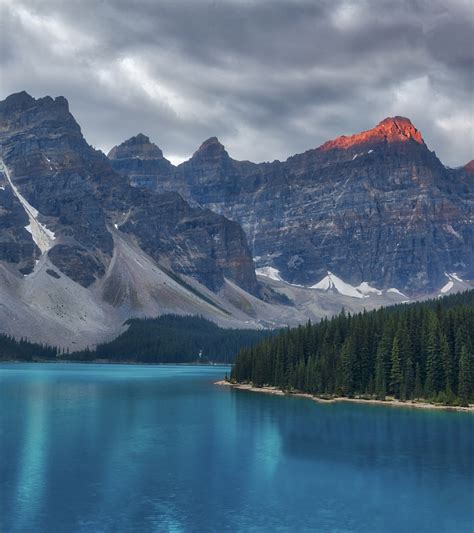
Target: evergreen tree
point(408, 381)
point(446, 358)
point(380, 376)
point(395, 372)
point(434, 364)
point(347, 362)
point(418, 392)
point(464, 380)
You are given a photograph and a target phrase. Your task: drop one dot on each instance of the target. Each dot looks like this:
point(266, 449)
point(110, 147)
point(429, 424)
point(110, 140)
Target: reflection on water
point(133, 448)
point(32, 446)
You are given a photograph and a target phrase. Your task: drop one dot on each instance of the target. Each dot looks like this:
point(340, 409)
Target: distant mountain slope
point(81, 250)
point(161, 340)
point(73, 198)
point(377, 207)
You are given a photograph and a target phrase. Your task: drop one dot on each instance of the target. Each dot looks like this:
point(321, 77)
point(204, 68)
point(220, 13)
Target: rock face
point(60, 197)
point(376, 207)
point(469, 167)
point(48, 165)
point(140, 160)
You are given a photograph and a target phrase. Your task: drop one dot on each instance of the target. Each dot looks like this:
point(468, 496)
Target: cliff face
point(377, 206)
point(61, 198)
point(140, 160)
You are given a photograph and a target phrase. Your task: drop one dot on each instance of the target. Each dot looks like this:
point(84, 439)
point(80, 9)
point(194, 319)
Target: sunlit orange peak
point(469, 167)
point(391, 129)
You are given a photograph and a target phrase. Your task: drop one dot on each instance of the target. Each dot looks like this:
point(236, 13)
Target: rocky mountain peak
point(212, 148)
point(469, 167)
point(21, 101)
point(399, 129)
point(17, 102)
point(390, 130)
point(139, 147)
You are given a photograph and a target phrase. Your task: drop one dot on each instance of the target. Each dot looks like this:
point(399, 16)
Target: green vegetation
point(22, 350)
point(416, 351)
point(174, 339)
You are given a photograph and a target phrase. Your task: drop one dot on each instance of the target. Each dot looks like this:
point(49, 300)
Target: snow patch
point(332, 282)
point(42, 236)
point(361, 154)
point(366, 289)
point(452, 279)
point(449, 228)
point(455, 277)
point(394, 290)
point(2, 187)
point(446, 288)
point(269, 272)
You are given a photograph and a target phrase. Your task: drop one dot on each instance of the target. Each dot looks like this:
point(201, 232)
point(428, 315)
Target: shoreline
point(107, 362)
point(391, 402)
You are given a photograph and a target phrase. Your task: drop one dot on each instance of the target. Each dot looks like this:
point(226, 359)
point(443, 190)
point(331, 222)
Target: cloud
point(269, 78)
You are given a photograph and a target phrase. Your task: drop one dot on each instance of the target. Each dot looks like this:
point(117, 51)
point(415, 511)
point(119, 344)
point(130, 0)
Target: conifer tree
point(347, 363)
point(448, 366)
point(380, 378)
point(418, 392)
point(408, 385)
point(464, 380)
point(395, 372)
point(435, 381)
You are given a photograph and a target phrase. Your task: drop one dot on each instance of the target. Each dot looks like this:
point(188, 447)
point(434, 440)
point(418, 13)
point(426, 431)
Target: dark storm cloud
point(269, 78)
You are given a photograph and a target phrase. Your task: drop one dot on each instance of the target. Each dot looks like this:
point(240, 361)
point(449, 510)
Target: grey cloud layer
point(269, 78)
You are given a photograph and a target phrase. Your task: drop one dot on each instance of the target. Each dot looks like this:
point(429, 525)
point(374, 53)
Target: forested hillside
point(22, 350)
point(174, 339)
point(417, 351)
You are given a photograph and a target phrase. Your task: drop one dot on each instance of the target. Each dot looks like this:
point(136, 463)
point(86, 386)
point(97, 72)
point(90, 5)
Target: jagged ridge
point(376, 207)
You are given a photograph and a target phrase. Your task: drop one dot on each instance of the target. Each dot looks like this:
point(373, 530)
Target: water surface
point(115, 448)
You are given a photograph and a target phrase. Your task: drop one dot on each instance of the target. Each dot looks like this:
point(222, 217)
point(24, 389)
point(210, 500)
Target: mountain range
point(377, 207)
point(89, 240)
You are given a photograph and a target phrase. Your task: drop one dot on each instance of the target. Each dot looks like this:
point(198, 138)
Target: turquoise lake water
point(113, 448)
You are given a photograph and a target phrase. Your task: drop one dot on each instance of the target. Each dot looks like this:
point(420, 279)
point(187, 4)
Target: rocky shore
point(392, 402)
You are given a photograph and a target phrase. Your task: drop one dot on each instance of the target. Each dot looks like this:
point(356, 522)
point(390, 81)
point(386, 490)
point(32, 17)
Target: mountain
point(469, 167)
point(377, 207)
point(78, 201)
point(80, 248)
point(88, 241)
point(140, 158)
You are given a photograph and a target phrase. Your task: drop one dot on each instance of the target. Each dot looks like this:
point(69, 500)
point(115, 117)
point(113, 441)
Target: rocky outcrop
point(16, 245)
point(376, 207)
point(469, 167)
point(140, 160)
point(389, 131)
point(48, 164)
point(70, 198)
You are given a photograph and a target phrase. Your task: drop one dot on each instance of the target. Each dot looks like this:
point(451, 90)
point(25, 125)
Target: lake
point(114, 448)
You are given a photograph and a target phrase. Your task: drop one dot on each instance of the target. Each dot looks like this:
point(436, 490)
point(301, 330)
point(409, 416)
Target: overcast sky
point(269, 78)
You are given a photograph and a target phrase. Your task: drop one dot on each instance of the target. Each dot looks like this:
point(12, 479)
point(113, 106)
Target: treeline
point(23, 350)
point(416, 351)
point(174, 339)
